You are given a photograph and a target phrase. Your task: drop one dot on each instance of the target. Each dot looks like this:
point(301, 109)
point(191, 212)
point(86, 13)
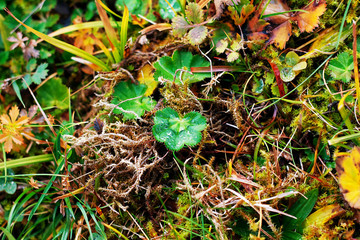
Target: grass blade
point(26, 161)
point(123, 31)
point(110, 32)
point(47, 188)
point(86, 219)
point(64, 46)
point(7, 233)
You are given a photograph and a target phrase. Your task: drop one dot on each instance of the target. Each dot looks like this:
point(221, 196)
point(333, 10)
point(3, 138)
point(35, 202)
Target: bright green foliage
point(40, 74)
point(194, 15)
point(9, 185)
point(167, 66)
point(130, 98)
point(301, 209)
point(53, 93)
point(176, 131)
point(166, 11)
point(342, 66)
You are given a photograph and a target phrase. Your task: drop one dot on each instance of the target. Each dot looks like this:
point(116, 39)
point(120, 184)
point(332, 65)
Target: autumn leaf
point(146, 76)
point(83, 37)
point(13, 128)
point(309, 20)
point(348, 169)
point(280, 35)
point(275, 7)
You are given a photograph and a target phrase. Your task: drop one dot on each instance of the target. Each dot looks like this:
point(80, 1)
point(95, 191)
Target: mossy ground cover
point(177, 119)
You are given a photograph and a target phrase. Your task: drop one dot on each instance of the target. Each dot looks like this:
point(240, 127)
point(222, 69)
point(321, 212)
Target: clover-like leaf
point(292, 58)
point(167, 66)
point(287, 74)
point(130, 100)
point(197, 35)
point(176, 131)
point(342, 66)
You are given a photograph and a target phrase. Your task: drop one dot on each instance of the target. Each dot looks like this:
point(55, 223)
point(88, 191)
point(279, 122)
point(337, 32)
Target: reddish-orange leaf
point(309, 20)
point(281, 34)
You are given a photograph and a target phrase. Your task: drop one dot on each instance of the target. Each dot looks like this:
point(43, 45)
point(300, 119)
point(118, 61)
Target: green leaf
point(40, 74)
point(166, 11)
point(167, 66)
point(194, 13)
point(292, 58)
point(289, 235)
point(10, 187)
point(176, 131)
point(4, 55)
point(197, 35)
point(342, 66)
point(5, 231)
point(287, 74)
point(53, 93)
point(8, 183)
point(17, 91)
point(301, 209)
point(130, 97)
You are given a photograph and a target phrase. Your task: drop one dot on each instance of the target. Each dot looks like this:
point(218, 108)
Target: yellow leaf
point(146, 76)
point(309, 20)
point(281, 34)
point(348, 168)
point(322, 216)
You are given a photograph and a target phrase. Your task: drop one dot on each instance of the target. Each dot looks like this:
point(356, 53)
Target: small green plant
point(176, 131)
point(342, 66)
point(8, 183)
point(293, 64)
point(179, 65)
point(130, 100)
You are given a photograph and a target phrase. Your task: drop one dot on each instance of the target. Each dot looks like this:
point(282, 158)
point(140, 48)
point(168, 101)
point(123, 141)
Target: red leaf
point(279, 82)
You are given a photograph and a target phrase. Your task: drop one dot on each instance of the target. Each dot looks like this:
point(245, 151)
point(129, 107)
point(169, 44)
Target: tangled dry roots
point(124, 156)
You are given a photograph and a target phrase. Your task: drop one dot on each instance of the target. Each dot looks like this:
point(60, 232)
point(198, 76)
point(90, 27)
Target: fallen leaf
point(348, 169)
point(274, 7)
point(280, 35)
point(309, 20)
point(146, 76)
